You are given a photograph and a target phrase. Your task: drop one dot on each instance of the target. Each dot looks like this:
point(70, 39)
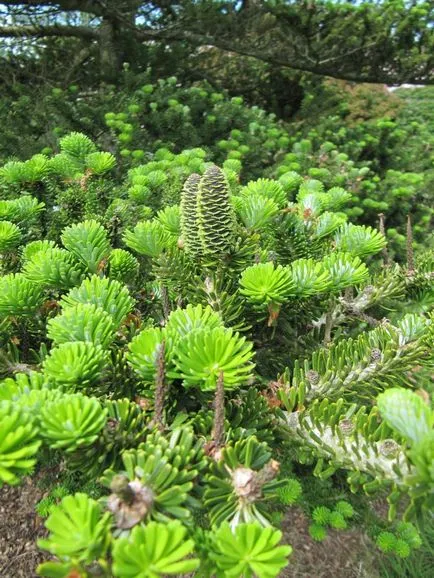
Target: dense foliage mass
point(197, 346)
point(376, 145)
point(216, 288)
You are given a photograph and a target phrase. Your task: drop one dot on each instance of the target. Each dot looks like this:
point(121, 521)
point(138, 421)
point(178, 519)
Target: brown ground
point(20, 527)
point(341, 555)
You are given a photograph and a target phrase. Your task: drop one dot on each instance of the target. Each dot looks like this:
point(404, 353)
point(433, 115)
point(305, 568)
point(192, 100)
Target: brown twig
point(328, 327)
point(410, 252)
point(382, 229)
point(165, 301)
point(218, 433)
point(160, 387)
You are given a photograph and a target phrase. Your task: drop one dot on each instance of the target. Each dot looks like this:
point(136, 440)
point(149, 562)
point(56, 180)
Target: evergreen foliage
point(142, 554)
point(151, 130)
point(204, 346)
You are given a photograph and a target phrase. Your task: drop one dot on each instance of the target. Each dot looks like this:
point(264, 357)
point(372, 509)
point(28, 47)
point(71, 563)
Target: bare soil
point(347, 554)
point(20, 527)
point(343, 554)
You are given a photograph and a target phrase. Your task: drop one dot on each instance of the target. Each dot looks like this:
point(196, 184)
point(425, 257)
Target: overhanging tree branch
point(47, 31)
point(88, 6)
point(298, 61)
point(361, 45)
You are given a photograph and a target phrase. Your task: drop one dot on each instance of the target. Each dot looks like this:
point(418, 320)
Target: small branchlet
point(121, 487)
point(248, 483)
point(328, 327)
point(368, 319)
point(160, 387)
point(218, 433)
point(410, 251)
point(382, 229)
point(165, 301)
point(130, 502)
point(274, 311)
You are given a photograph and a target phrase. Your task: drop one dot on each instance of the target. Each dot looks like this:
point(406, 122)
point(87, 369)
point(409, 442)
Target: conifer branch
point(374, 360)
point(47, 31)
point(343, 444)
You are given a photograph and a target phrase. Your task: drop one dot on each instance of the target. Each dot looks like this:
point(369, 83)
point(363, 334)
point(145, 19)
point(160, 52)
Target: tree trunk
point(118, 43)
point(110, 56)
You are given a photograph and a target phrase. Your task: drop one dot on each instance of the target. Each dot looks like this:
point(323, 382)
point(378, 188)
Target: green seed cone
point(215, 214)
point(189, 225)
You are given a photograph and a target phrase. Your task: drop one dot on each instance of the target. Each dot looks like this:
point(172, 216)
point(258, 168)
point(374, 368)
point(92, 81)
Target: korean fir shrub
point(175, 116)
point(368, 149)
point(240, 345)
point(159, 182)
point(73, 184)
point(386, 137)
point(143, 114)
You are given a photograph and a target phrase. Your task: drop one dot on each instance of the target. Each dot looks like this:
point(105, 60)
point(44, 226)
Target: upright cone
point(216, 218)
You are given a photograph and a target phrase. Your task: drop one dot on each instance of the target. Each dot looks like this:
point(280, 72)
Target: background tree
point(386, 41)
